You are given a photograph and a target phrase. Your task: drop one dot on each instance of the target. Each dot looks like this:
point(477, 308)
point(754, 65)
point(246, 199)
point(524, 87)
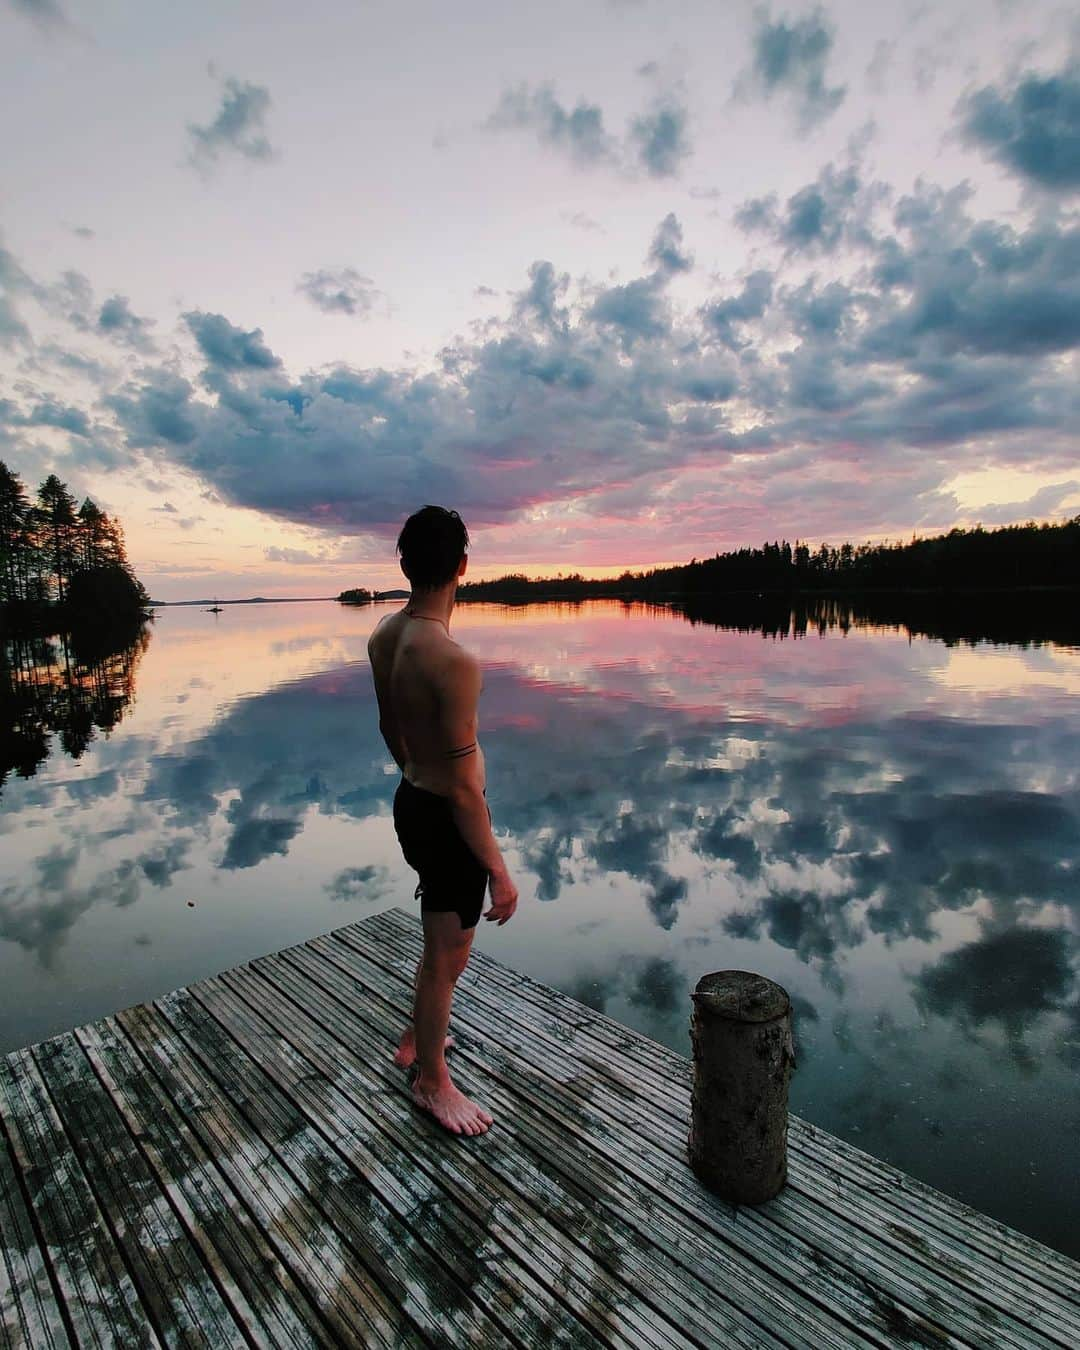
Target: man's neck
point(434, 604)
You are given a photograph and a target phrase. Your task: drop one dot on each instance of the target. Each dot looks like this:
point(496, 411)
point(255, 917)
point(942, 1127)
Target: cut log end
point(741, 996)
point(743, 1053)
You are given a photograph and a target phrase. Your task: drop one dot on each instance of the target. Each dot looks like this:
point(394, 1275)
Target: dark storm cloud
point(343, 291)
point(547, 858)
point(1031, 128)
point(117, 321)
point(227, 347)
point(720, 837)
point(819, 311)
point(558, 400)
point(70, 299)
point(663, 896)
point(238, 128)
point(655, 141)
point(813, 926)
point(60, 358)
point(790, 59)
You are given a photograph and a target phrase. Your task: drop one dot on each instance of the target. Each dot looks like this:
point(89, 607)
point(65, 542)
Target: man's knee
point(446, 960)
point(445, 967)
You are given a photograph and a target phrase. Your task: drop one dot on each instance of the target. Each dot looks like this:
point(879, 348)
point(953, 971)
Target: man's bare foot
point(451, 1108)
point(405, 1054)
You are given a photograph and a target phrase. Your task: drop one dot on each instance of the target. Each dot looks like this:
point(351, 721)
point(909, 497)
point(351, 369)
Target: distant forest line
point(1009, 558)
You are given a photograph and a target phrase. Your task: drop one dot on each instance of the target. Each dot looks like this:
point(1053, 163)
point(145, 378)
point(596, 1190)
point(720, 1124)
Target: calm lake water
point(886, 824)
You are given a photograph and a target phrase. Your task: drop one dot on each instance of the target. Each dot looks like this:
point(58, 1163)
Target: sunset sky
point(623, 281)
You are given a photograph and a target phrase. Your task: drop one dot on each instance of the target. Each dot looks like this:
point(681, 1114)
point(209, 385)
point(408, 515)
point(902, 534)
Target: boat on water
point(215, 608)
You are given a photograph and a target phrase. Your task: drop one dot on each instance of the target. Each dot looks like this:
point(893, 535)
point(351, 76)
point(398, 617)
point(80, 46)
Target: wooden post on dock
point(743, 1055)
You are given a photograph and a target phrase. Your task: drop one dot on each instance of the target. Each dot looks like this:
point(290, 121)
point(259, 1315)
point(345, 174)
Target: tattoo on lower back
point(462, 751)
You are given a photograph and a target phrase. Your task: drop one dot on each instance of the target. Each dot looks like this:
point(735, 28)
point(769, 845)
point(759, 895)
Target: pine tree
point(93, 536)
point(14, 512)
point(57, 507)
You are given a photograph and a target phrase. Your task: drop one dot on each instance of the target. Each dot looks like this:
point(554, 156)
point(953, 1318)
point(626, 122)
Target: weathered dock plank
point(239, 1163)
point(446, 1190)
point(352, 1192)
point(180, 1299)
point(30, 1313)
point(284, 1203)
point(569, 1142)
point(883, 1286)
point(598, 1252)
point(98, 1297)
point(268, 1304)
point(890, 1248)
point(666, 1075)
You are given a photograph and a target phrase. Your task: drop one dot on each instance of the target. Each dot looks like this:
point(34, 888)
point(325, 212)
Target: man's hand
point(504, 897)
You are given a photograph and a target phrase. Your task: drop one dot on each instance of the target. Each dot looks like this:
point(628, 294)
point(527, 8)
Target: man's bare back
point(418, 670)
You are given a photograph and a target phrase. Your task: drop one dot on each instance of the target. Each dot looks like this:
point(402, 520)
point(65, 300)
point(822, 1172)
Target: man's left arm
point(392, 737)
point(387, 722)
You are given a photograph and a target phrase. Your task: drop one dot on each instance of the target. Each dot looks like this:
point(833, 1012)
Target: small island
point(360, 595)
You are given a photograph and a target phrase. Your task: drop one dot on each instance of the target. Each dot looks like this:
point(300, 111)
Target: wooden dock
point(239, 1163)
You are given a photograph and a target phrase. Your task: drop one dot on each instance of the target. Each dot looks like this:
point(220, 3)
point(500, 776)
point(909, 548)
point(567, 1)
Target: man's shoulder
point(457, 667)
point(381, 631)
point(373, 637)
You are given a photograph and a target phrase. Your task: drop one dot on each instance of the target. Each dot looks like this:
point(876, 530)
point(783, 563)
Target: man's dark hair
point(432, 544)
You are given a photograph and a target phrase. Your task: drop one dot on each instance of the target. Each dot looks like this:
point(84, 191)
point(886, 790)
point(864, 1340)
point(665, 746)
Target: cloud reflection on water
point(892, 829)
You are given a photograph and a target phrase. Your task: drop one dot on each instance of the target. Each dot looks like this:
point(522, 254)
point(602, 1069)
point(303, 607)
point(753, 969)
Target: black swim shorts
point(452, 878)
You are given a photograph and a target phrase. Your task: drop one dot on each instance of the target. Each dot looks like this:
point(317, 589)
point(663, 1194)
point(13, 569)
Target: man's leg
point(405, 1054)
point(446, 951)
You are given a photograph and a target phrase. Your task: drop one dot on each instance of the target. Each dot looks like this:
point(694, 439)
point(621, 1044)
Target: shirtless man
point(428, 689)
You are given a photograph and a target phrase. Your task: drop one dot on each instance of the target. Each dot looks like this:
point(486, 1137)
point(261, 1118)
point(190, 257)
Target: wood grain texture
point(240, 1164)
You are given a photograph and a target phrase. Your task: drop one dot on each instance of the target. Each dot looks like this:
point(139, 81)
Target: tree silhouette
point(14, 536)
point(56, 508)
point(1014, 556)
point(58, 567)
